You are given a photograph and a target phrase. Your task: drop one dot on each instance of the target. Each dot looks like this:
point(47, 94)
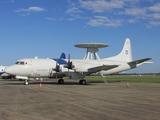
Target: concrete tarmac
point(71, 101)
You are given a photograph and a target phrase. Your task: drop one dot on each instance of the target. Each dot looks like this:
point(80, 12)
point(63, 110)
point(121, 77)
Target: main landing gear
point(60, 81)
point(82, 82)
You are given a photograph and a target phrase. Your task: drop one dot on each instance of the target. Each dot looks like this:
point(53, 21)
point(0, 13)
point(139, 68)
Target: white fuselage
point(32, 68)
point(39, 68)
point(83, 65)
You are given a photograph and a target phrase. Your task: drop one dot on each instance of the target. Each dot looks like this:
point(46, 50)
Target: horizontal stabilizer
point(103, 67)
point(148, 62)
point(139, 61)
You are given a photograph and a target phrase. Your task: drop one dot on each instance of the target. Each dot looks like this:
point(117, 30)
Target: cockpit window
point(17, 62)
point(21, 63)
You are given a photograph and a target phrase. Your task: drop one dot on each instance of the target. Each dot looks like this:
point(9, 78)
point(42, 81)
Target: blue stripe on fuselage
point(1, 73)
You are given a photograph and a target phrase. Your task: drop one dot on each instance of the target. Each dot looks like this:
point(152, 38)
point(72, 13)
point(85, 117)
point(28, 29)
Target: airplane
point(74, 68)
point(119, 63)
point(2, 68)
point(2, 73)
point(33, 68)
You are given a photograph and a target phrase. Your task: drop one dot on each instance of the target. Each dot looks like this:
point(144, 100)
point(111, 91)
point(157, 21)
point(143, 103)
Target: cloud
point(76, 16)
point(131, 12)
point(132, 20)
point(155, 7)
point(101, 5)
point(108, 13)
point(51, 19)
point(71, 19)
point(35, 9)
point(73, 9)
point(104, 21)
point(154, 23)
point(135, 11)
point(155, 16)
point(31, 9)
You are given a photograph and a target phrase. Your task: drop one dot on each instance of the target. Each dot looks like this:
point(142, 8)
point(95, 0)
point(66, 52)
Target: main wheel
point(82, 82)
point(61, 81)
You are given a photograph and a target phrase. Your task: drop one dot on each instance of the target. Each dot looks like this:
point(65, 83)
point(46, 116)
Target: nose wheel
point(25, 82)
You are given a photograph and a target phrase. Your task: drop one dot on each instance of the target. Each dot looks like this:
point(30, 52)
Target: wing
point(139, 61)
point(102, 67)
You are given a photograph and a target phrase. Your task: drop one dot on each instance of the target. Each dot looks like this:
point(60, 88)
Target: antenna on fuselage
point(91, 50)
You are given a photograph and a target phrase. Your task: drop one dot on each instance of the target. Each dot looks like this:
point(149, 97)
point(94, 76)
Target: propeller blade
point(68, 57)
point(56, 61)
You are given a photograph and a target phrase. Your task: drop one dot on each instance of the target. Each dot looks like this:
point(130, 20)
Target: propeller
point(69, 64)
point(57, 67)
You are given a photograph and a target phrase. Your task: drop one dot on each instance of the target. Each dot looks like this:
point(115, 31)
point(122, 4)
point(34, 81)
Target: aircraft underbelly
point(75, 75)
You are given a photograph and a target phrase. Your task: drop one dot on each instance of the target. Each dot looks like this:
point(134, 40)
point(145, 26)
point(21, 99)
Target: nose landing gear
point(26, 82)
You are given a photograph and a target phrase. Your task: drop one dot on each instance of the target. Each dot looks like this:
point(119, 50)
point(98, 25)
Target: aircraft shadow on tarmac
point(17, 82)
point(54, 82)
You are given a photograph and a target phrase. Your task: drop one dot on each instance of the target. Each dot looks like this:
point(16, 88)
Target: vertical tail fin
point(63, 56)
point(125, 54)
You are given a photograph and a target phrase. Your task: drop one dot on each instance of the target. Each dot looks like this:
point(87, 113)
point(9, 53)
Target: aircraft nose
point(9, 70)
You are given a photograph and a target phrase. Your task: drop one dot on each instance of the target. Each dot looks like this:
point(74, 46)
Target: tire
point(61, 81)
point(82, 82)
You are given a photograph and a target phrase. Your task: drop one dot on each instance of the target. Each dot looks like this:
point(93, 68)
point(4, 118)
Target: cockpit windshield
point(17, 62)
point(20, 63)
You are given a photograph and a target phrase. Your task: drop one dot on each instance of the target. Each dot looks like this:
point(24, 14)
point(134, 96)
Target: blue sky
point(46, 28)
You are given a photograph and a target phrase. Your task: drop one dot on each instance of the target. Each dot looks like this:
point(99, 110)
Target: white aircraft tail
point(125, 54)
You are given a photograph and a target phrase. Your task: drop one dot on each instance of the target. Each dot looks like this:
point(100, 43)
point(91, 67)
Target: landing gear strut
point(82, 82)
